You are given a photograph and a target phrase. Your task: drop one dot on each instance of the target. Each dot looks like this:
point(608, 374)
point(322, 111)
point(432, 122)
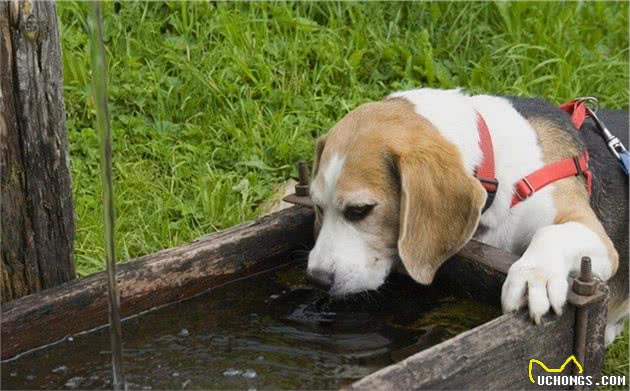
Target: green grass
point(616, 361)
point(213, 103)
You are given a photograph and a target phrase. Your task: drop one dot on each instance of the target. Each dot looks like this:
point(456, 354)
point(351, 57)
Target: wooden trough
point(494, 355)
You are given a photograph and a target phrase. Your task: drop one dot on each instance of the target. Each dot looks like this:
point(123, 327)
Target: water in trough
point(269, 331)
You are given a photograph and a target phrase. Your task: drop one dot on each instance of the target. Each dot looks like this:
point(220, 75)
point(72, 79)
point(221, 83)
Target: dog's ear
point(440, 207)
point(319, 149)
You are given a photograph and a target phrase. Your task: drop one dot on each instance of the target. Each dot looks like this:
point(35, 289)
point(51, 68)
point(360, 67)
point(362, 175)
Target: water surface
point(270, 331)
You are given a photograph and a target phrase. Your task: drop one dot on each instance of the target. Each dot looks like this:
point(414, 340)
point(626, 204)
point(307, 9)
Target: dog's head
point(388, 186)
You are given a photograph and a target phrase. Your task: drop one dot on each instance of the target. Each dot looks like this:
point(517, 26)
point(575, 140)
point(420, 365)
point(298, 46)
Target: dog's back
point(610, 185)
point(610, 193)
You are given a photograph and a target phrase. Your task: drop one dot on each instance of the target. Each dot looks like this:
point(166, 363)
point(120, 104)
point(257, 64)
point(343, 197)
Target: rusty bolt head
point(584, 288)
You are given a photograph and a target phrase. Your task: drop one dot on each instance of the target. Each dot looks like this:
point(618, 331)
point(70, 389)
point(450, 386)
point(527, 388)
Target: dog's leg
point(539, 277)
point(617, 316)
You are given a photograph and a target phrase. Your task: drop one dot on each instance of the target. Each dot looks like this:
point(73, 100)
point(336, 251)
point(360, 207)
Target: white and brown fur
point(412, 156)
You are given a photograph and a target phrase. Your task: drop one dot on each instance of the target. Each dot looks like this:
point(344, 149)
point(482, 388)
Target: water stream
point(99, 88)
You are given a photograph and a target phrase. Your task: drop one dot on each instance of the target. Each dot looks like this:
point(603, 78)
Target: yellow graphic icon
point(553, 370)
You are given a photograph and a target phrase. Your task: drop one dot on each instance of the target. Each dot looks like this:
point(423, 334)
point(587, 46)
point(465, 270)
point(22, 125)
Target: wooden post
point(37, 224)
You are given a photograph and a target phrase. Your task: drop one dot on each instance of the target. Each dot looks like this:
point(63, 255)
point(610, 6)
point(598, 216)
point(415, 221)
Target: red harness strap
point(527, 186)
point(577, 110)
point(485, 170)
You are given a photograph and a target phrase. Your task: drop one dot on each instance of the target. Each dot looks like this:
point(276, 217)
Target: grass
point(213, 103)
point(616, 361)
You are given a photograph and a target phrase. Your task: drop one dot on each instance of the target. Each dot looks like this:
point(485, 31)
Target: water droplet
point(273, 297)
point(175, 374)
point(232, 372)
point(30, 377)
point(260, 358)
point(60, 369)
point(249, 374)
point(13, 374)
point(74, 382)
point(184, 333)
point(70, 339)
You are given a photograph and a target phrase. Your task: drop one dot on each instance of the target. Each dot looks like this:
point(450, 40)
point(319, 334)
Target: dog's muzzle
point(320, 279)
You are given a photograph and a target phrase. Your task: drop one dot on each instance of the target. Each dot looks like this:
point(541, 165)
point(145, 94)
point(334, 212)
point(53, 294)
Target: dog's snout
point(320, 278)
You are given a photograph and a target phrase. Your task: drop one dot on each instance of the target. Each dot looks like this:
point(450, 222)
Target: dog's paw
point(537, 284)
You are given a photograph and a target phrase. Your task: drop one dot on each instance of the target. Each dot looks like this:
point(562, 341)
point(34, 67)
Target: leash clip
point(615, 146)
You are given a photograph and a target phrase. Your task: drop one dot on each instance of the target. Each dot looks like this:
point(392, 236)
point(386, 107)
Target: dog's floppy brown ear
point(440, 207)
point(319, 149)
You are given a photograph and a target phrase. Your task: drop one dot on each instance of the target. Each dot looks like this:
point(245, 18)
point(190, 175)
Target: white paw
point(539, 285)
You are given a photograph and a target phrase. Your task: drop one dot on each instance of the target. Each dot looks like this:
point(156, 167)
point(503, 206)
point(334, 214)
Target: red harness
point(527, 186)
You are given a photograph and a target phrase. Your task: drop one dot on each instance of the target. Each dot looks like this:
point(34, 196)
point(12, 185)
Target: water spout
point(99, 87)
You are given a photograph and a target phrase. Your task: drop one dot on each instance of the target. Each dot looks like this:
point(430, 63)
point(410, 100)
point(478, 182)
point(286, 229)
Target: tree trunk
point(37, 223)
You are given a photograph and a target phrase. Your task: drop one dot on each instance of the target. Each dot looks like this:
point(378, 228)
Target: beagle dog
point(394, 186)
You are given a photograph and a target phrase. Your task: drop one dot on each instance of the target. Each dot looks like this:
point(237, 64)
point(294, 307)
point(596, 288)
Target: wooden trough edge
point(154, 280)
point(496, 355)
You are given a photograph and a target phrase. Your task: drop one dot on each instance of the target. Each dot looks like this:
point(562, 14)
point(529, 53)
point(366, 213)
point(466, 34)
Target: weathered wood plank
point(477, 270)
point(493, 356)
point(155, 279)
point(37, 212)
point(491, 258)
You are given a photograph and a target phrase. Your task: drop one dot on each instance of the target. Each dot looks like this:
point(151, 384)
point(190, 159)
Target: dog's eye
point(356, 213)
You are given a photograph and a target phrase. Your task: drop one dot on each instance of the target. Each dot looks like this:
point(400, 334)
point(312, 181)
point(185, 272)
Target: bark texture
point(37, 224)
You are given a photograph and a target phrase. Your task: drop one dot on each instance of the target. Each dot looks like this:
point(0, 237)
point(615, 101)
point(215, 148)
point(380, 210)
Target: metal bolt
point(303, 172)
point(586, 270)
point(584, 285)
point(301, 189)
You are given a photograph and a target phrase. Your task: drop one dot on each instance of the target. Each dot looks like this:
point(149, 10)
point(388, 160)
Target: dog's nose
point(320, 278)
